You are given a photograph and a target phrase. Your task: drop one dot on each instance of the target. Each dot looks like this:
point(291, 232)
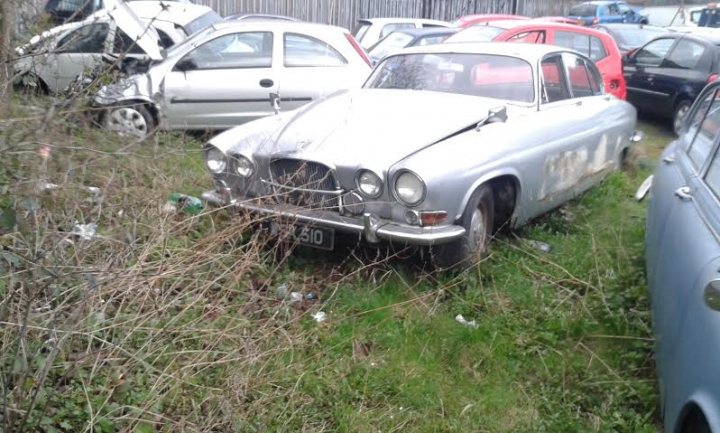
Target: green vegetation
point(170, 322)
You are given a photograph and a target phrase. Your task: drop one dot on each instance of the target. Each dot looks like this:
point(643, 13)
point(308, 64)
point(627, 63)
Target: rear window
point(491, 76)
point(583, 10)
point(201, 22)
point(394, 41)
point(591, 46)
point(481, 33)
point(360, 32)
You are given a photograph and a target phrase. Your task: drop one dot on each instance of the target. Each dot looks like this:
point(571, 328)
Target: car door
point(222, 82)
point(682, 223)
point(640, 70)
point(575, 154)
point(613, 14)
point(683, 74)
point(311, 68)
point(682, 232)
point(79, 51)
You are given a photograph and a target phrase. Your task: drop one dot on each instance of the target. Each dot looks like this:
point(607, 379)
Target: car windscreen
point(393, 41)
point(479, 33)
point(488, 75)
point(191, 40)
point(635, 37)
point(202, 22)
point(583, 10)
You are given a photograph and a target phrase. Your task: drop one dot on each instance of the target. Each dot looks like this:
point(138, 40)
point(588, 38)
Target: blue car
point(600, 12)
point(682, 254)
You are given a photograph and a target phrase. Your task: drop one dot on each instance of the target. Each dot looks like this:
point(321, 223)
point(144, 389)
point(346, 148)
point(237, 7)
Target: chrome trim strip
point(337, 192)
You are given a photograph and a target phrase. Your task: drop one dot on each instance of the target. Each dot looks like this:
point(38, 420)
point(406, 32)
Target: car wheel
point(681, 112)
point(696, 423)
point(130, 120)
point(30, 85)
point(478, 219)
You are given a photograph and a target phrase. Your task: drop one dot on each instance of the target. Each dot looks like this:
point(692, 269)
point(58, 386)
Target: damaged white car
point(224, 76)
point(443, 146)
point(124, 32)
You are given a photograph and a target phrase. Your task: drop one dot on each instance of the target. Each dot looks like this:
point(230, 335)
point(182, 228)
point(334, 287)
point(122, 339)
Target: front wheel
point(681, 112)
point(478, 220)
point(130, 120)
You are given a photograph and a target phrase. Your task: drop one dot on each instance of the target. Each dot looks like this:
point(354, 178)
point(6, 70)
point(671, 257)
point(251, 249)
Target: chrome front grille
point(304, 183)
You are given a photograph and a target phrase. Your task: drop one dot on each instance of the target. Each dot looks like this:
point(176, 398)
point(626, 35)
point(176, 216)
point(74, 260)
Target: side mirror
point(186, 64)
point(497, 114)
point(629, 57)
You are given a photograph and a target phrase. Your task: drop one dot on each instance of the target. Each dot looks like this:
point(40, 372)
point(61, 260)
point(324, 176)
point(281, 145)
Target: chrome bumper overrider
point(372, 228)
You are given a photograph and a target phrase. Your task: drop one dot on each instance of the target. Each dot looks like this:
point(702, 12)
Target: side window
point(589, 45)
point(123, 44)
point(533, 37)
point(686, 55)
point(613, 9)
point(653, 53)
point(707, 131)
point(695, 119)
point(553, 80)
point(389, 28)
point(86, 39)
point(236, 50)
point(305, 51)
point(583, 82)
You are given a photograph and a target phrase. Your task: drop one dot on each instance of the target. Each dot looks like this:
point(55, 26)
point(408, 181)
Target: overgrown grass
point(169, 322)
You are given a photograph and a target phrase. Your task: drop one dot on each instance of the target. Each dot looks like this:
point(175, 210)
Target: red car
point(471, 20)
point(597, 45)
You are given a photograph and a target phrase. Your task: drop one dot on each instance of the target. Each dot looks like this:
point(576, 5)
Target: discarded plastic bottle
point(187, 203)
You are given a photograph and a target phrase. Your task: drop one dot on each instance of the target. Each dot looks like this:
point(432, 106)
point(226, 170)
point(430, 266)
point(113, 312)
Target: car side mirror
point(186, 64)
point(497, 114)
point(629, 57)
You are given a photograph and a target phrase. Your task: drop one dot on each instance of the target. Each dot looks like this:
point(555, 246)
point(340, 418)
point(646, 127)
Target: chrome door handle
point(683, 193)
point(668, 159)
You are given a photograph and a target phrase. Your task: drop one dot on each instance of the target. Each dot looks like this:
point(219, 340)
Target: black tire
point(133, 120)
point(695, 423)
point(681, 111)
point(474, 245)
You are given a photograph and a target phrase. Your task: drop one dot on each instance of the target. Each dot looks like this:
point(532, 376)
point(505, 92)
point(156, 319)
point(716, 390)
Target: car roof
point(387, 20)
point(275, 25)
point(175, 12)
point(529, 52)
point(700, 35)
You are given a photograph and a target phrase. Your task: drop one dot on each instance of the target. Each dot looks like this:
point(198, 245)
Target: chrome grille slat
point(303, 183)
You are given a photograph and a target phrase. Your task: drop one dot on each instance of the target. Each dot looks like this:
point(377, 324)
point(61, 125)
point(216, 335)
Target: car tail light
point(596, 21)
point(358, 48)
point(712, 78)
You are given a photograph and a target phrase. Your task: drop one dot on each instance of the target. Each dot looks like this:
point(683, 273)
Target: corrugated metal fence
point(345, 13)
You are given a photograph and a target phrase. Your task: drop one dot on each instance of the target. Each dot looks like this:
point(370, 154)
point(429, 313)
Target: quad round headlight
point(243, 166)
point(215, 160)
point(369, 184)
point(409, 188)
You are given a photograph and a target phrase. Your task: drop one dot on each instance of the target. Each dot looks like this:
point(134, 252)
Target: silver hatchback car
point(224, 76)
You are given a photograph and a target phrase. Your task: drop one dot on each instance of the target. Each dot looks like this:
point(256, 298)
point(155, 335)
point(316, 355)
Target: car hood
point(145, 35)
point(376, 125)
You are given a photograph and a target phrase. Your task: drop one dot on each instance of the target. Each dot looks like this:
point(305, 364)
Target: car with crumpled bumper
point(226, 75)
point(443, 146)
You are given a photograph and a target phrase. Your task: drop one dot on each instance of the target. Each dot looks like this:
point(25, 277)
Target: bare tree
point(7, 30)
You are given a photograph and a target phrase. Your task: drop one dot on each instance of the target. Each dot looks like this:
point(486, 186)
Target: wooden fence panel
point(345, 13)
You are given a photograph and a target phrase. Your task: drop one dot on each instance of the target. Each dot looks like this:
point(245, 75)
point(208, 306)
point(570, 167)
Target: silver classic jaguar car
point(443, 146)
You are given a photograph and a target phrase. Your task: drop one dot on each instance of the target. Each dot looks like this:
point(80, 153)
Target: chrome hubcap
point(680, 117)
point(477, 231)
point(127, 121)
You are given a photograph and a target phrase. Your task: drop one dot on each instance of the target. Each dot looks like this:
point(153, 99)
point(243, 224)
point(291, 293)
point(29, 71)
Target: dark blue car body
point(682, 254)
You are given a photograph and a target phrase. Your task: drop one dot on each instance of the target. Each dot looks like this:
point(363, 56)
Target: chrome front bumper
point(370, 227)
